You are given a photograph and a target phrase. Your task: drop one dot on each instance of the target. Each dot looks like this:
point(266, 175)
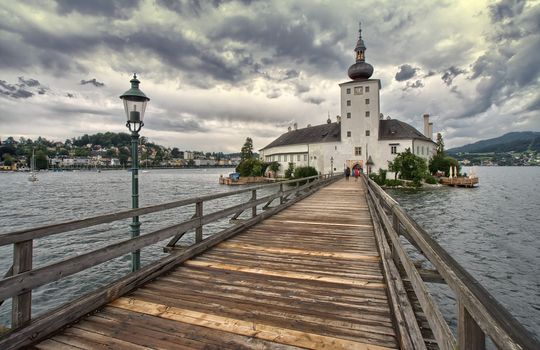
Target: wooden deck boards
point(308, 277)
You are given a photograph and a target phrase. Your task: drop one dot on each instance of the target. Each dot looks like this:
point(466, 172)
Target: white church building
point(360, 137)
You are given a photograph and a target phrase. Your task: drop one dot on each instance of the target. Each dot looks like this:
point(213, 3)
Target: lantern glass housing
point(135, 102)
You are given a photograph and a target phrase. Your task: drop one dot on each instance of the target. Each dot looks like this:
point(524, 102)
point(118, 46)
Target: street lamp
point(135, 104)
point(332, 166)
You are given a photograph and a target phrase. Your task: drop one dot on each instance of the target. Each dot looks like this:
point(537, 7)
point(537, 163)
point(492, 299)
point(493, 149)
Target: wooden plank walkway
point(308, 277)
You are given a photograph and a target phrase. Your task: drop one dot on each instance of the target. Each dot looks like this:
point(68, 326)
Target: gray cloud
point(449, 75)
point(29, 82)
point(15, 91)
point(405, 72)
point(107, 8)
point(506, 9)
point(416, 85)
point(315, 100)
point(93, 82)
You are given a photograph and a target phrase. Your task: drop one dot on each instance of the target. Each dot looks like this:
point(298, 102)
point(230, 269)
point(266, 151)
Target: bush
point(431, 180)
point(304, 171)
point(376, 178)
point(250, 167)
point(393, 183)
point(290, 171)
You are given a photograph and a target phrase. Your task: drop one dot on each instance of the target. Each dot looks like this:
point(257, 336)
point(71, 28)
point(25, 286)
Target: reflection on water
point(493, 231)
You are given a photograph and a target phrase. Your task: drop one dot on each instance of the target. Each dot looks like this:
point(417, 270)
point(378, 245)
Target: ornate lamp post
point(331, 166)
point(135, 104)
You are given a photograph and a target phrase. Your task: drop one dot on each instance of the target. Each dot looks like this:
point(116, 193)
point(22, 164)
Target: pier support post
point(254, 198)
point(198, 214)
point(470, 335)
point(21, 309)
point(281, 201)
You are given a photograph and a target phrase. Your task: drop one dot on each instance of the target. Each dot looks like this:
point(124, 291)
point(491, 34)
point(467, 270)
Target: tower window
point(358, 90)
point(348, 134)
point(367, 101)
point(393, 149)
point(358, 151)
point(285, 158)
point(367, 88)
point(348, 91)
point(367, 132)
point(279, 158)
point(305, 157)
point(348, 102)
point(349, 115)
point(367, 113)
point(298, 158)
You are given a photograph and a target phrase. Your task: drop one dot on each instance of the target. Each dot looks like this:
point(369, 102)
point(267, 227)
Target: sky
point(220, 71)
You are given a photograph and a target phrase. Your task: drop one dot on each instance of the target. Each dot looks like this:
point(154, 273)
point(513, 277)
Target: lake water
point(492, 230)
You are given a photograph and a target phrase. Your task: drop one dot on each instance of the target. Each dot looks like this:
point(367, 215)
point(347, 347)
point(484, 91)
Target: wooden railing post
point(21, 309)
point(470, 335)
point(198, 214)
point(281, 201)
point(253, 198)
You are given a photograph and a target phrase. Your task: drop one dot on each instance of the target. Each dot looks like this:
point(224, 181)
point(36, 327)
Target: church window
point(348, 134)
point(348, 102)
point(367, 132)
point(358, 90)
point(348, 91)
point(417, 149)
point(279, 158)
point(349, 115)
point(367, 113)
point(367, 101)
point(393, 149)
point(305, 157)
point(367, 88)
point(285, 158)
point(297, 157)
point(422, 150)
point(358, 151)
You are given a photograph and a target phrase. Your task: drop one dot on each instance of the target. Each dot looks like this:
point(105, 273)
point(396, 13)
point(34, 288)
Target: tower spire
point(361, 69)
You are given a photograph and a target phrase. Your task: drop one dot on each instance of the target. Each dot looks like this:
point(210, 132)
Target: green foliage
point(41, 160)
point(379, 178)
point(440, 144)
point(247, 150)
point(290, 171)
point(250, 167)
point(442, 163)
point(431, 180)
point(274, 166)
point(8, 159)
point(304, 171)
point(394, 183)
point(409, 166)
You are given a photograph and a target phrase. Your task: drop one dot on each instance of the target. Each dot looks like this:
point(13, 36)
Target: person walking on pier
point(347, 173)
point(356, 173)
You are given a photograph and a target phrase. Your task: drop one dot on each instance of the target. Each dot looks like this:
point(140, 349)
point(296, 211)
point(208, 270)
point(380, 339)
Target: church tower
point(360, 107)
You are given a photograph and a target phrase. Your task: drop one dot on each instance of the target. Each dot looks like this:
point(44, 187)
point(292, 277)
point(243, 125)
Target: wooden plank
point(300, 251)
point(470, 336)
point(261, 331)
point(410, 336)
point(64, 315)
point(288, 274)
point(442, 332)
point(21, 307)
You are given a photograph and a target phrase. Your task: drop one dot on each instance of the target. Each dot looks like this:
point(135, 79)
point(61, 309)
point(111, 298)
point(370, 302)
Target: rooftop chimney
point(295, 126)
point(338, 118)
point(430, 132)
point(289, 129)
point(426, 125)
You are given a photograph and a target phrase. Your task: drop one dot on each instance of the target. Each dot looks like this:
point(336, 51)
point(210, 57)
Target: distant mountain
point(513, 141)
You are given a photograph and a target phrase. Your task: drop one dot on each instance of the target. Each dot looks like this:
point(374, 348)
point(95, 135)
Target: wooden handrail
point(24, 279)
point(475, 302)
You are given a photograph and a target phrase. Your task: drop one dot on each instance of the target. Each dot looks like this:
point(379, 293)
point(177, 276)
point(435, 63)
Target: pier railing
point(23, 277)
point(479, 314)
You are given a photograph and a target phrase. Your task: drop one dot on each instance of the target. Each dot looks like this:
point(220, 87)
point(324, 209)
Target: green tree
point(247, 149)
point(8, 159)
point(42, 161)
point(409, 166)
point(290, 171)
point(440, 144)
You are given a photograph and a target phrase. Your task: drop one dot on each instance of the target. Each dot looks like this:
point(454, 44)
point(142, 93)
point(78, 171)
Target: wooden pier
point(323, 268)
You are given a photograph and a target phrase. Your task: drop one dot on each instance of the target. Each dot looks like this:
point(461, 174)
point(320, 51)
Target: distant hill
point(513, 141)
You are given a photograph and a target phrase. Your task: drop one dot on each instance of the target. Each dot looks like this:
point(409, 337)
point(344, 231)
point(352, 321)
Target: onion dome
point(360, 70)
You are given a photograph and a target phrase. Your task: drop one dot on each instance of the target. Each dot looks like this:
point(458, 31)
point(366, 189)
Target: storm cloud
point(234, 68)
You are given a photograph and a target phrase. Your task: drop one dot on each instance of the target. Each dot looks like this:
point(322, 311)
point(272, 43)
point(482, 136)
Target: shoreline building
point(360, 137)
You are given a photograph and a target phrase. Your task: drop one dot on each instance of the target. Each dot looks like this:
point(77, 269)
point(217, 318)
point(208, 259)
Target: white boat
point(33, 174)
